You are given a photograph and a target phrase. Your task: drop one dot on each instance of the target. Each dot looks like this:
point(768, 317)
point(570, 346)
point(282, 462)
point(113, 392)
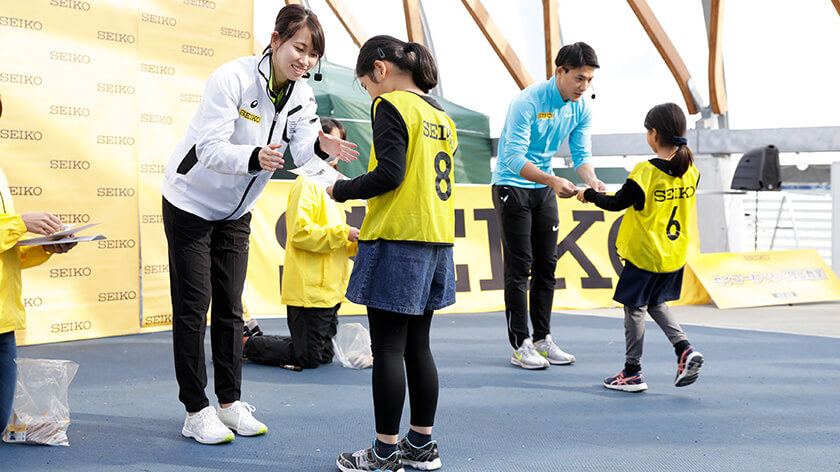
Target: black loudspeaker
point(758, 169)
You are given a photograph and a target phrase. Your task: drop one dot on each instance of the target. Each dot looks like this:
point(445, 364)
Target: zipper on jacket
point(287, 93)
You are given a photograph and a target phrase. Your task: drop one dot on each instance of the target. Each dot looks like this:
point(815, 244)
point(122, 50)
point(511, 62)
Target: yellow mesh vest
point(421, 208)
point(656, 238)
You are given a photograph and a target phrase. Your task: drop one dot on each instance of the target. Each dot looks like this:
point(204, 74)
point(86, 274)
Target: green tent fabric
point(340, 96)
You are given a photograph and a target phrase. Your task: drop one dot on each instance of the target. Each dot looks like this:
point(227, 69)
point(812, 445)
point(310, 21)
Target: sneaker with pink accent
point(688, 367)
point(634, 383)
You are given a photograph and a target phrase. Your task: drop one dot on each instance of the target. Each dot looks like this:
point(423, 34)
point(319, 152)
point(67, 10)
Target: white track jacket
point(207, 174)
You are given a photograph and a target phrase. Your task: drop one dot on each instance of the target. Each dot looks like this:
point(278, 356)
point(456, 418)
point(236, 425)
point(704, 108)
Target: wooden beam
point(552, 35)
point(357, 33)
point(499, 43)
point(836, 5)
point(413, 25)
point(293, 2)
point(666, 49)
point(717, 88)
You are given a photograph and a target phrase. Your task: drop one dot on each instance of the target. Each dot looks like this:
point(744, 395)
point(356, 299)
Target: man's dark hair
point(572, 56)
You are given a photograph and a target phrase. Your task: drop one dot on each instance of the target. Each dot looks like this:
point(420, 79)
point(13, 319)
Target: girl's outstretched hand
point(335, 146)
point(580, 196)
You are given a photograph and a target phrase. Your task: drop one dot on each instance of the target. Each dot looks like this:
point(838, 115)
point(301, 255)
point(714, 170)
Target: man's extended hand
point(563, 187)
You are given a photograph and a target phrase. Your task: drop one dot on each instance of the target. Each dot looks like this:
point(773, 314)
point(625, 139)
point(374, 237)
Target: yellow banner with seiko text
point(587, 268)
point(750, 279)
point(95, 95)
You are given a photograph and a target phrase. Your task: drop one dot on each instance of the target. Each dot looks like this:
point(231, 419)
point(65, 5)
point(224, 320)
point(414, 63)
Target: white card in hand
point(319, 172)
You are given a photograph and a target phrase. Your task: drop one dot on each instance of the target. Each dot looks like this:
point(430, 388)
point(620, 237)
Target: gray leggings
point(634, 328)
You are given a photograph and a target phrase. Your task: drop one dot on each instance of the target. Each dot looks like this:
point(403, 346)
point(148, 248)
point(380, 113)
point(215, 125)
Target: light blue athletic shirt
point(537, 123)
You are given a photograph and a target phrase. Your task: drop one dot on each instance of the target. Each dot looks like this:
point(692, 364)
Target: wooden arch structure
point(551, 23)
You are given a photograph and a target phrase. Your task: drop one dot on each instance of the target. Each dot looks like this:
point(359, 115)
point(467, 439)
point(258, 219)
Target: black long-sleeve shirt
point(390, 140)
point(630, 194)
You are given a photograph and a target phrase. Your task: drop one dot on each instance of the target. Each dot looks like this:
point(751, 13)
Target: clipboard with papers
point(62, 237)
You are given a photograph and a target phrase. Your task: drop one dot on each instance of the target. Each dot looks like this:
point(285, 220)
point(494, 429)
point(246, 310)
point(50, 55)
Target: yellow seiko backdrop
point(95, 95)
point(586, 270)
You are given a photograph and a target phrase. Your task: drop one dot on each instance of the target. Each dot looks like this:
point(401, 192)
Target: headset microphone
point(593, 91)
point(318, 75)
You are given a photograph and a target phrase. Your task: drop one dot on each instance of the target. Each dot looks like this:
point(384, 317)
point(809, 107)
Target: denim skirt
point(403, 277)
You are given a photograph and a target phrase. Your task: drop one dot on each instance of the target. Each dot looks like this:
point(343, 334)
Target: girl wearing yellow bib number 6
point(653, 238)
point(404, 268)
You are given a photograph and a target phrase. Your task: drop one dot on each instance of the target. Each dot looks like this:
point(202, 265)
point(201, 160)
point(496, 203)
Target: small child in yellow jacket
point(316, 269)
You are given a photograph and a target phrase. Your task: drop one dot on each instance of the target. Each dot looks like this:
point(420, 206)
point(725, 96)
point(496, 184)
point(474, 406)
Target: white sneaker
point(238, 417)
point(206, 428)
point(552, 353)
point(527, 358)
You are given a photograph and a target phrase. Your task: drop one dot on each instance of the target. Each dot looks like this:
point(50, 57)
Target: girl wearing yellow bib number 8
point(404, 268)
point(653, 238)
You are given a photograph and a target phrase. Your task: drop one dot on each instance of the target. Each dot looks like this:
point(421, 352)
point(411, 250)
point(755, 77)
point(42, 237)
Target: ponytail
point(669, 122)
point(408, 57)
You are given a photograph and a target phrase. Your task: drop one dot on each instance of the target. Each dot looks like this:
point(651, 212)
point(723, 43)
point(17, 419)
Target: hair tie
point(679, 140)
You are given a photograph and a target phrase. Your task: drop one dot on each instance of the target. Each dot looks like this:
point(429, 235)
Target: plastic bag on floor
point(352, 346)
point(41, 413)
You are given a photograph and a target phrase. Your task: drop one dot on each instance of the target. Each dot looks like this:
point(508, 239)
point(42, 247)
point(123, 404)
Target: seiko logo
point(56, 328)
point(69, 164)
point(152, 219)
point(114, 192)
point(676, 193)
point(115, 37)
point(158, 19)
point(65, 56)
point(157, 320)
point(156, 269)
point(72, 4)
point(21, 134)
point(21, 23)
point(156, 119)
point(235, 33)
point(115, 140)
point(22, 79)
point(26, 191)
point(32, 302)
point(201, 3)
point(117, 296)
point(68, 218)
point(115, 88)
point(69, 111)
point(115, 243)
point(152, 168)
point(191, 97)
point(70, 272)
point(157, 69)
point(197, 50)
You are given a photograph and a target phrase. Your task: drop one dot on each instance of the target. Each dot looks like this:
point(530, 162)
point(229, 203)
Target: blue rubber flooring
point(764, 402)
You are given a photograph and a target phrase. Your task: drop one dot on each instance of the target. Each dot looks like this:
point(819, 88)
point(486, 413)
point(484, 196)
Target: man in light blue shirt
point(525, 188)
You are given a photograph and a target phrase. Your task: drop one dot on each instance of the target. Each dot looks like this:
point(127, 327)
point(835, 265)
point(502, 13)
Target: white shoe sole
point(517, 363)
point(260, 431)
point(433, 465)
point(628, 388)
point(345, 469)
point(692, 370)
point(569, 362)
point(188, 434)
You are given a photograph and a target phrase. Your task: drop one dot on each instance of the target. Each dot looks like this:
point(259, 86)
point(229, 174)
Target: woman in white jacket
point(253, 108)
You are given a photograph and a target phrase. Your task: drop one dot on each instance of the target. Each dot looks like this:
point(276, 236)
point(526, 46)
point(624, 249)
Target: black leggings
point(397, 338)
